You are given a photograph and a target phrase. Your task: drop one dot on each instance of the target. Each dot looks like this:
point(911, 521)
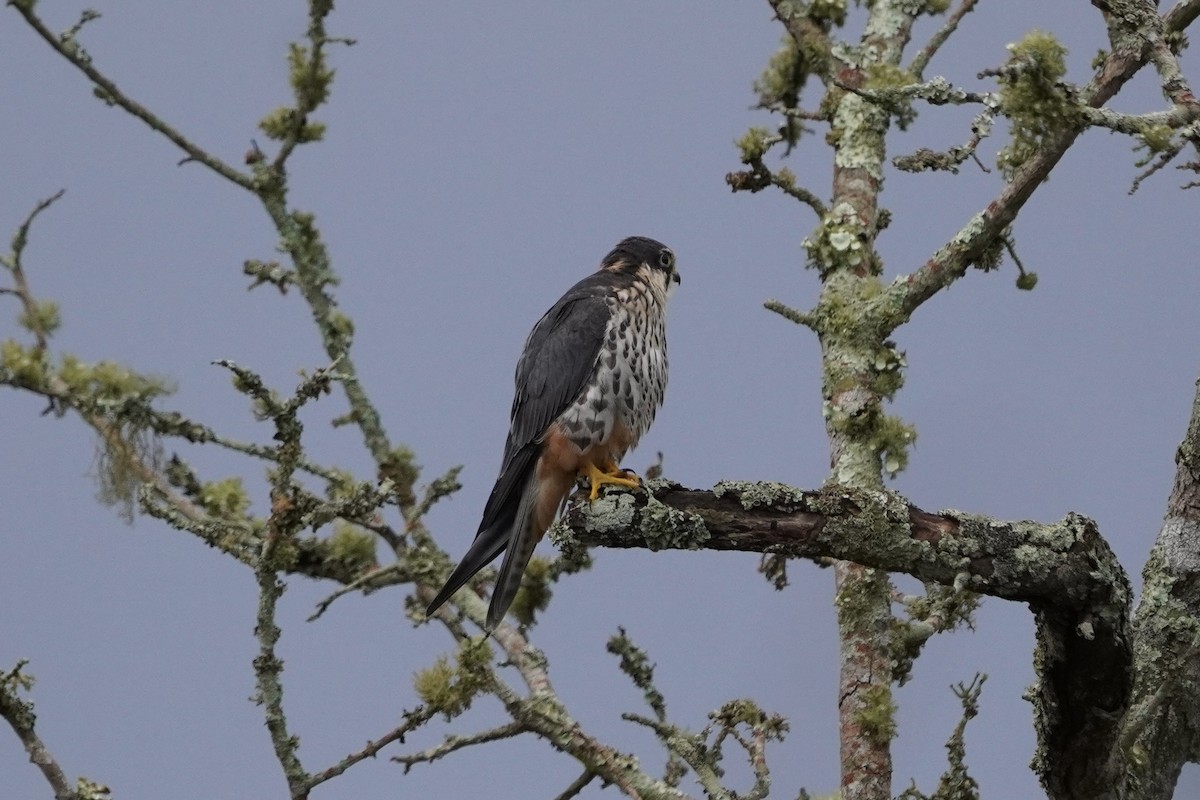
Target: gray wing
point(559, 358)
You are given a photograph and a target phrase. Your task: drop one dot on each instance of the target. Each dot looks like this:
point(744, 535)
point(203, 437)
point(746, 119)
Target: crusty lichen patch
point(665, 527)
point(617, 513)
point(611, 512)
point(754, 494)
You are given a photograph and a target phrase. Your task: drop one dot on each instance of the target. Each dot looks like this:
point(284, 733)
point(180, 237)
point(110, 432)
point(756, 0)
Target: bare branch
point(106, 90)
point(455, 743)
point(412, 720)
point(577, 785)
point(389, 575)
point(926, 53)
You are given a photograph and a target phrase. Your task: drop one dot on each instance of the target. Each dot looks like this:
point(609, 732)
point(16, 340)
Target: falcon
point(589, 381)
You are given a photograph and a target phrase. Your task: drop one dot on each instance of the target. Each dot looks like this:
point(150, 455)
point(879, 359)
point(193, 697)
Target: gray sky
point(478, 162)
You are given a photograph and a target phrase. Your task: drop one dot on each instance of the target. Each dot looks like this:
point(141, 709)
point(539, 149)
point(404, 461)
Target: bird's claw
point(611, 475)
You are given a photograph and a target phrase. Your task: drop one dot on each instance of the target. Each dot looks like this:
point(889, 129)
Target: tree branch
point(412, 720)
point(19, 715)
point(1066, 571)
point(950, 262)
point(926, 53)
point(455, 742)
point(1162, 730)
point(67, 47)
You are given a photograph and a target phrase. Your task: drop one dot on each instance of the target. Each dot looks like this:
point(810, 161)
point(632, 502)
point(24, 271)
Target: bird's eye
point(666, 259)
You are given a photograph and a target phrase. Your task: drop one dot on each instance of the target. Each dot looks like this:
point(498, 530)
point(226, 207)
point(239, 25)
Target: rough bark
point(1065, 571)
point(1162, 731)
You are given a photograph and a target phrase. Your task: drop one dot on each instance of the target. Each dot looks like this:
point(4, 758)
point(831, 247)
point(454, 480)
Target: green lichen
point(401, 467)
point(888, 367)
point(892, 438)
point(535, 592)
point(280, 123)
point(668, 528)
point(773, 567)
point(862, 520)
point(830, 12)
point(876, 717)
point(883, 81)
point(612, 512)
point(858, 133)
point(573, 554)
point(352, 545)
point(940, 609)
point(637, 665)
point(1032, 97)
point(1158, 138)
point(449, 690)
point(309, 74)
point(43, 317)
point(857, 602)
point(225, 499)
point(342, 485)
point(754, 144)
point(25, 367)
point(87, 789)
point(990, 257)
point(835, 245)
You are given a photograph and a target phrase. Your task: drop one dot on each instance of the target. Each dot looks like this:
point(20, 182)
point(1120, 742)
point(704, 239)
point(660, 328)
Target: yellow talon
point(614, 476)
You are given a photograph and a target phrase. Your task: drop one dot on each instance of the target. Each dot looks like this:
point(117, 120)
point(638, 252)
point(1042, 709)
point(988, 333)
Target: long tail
point(512, 508)
point(523, 538)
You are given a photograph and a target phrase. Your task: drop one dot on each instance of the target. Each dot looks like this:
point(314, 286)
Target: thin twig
point(926, 53)
point(576, 786)
point(789, 313)
point(13, 263)
point(412, 720)
point(454, 743)
point(375, 579)
point(109, 92)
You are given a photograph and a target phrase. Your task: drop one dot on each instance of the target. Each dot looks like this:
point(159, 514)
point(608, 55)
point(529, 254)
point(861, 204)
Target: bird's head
point(645, 258)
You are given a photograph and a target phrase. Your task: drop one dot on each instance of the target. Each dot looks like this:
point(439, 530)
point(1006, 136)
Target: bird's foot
point(612, 475)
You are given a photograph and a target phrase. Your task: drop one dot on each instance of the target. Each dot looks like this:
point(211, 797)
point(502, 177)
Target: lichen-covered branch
point(636, 664)
point(540, 710)
point(1163, 729)
point(289, 505)
point(1137, 34)
point(1065, 571)
point(18, 713)
point(857, 379)
point(310, 78)
point(956, 782)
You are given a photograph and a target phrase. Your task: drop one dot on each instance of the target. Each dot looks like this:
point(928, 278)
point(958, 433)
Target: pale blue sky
point(480, 160)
